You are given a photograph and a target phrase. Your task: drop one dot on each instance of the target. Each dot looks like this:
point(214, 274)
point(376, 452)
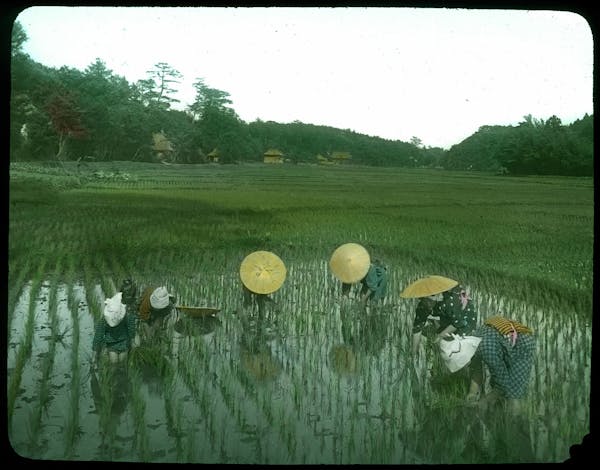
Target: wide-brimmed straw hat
point(114, 309)
point(262, 272)
point(159, 298)
point(427, 286)
point(350, 262)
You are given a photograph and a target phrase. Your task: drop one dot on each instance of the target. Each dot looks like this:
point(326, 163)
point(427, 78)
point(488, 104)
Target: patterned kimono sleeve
point(99, 331)
point(421, 314)
point(452, 308)
point(444, 310)
point(464, 320)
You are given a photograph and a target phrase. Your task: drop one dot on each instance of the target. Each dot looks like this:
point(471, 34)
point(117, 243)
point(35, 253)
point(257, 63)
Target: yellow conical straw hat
point(262, 272)
point(429, 285)
point(350, 262)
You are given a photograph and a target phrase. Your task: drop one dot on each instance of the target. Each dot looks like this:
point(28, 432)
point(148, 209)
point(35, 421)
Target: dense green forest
point(68, 114)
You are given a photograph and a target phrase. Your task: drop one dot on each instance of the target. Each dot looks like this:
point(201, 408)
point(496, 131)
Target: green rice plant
point(94, 303)
point(18, 274)
point(46, 369)
point(24, 351)
point(72, 426)
point(141, 441)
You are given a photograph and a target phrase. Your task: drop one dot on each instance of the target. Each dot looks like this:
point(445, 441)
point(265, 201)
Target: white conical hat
point(114, 310)
point(350, 262)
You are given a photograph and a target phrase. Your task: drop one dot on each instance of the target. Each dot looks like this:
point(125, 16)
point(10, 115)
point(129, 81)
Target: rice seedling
point(45, 369)
point(25, 349)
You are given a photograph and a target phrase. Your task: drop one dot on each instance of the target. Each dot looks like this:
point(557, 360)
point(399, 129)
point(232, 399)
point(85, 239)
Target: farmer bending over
point(115, 332)
point(373, 285)
point(156, 311)
point(262, 273)
point(444, 302)
point(507, 349)
point(351, 264)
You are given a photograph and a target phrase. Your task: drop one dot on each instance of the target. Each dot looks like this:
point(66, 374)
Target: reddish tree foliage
point(65, 115)
point(66, 119)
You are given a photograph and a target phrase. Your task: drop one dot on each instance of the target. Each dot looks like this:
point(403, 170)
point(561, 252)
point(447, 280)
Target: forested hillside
point(532, 147)
point(69, 114)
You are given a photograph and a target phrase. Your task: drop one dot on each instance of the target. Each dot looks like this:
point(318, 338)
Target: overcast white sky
point(434, 73)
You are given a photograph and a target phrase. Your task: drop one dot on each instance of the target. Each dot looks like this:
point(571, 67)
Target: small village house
point(213, 157)
point(273, 156)
point(323, 160)
point(161, 145)
point(340, 157)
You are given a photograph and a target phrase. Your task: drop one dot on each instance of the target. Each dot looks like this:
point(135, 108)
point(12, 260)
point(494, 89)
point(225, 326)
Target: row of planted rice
point(315, 381)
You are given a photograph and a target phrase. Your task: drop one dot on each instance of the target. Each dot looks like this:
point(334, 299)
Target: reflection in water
point(187, 328)
point(364, 331)
point(110, 388)
point(111, 393)
point(343, 359)
point(264, 394)
point(258, 331)
point(153, 368)
point(474, 435)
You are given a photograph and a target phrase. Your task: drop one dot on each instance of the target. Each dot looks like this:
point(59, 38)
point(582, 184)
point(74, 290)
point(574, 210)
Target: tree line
point(66, 113)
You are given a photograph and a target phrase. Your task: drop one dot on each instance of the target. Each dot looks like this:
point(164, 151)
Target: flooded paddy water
point(311, 381)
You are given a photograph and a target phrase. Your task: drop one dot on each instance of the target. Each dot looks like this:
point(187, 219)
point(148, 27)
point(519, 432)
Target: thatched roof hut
point(213, 156)
point(161, 143)
point(340, 157)
point(273, 156)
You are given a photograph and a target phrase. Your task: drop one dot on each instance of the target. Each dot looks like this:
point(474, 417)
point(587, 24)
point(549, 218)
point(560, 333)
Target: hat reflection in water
point(343, 359)
point(260, 364)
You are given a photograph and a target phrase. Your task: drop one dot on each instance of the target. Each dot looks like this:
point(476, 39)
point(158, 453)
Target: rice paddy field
point(312, 379)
